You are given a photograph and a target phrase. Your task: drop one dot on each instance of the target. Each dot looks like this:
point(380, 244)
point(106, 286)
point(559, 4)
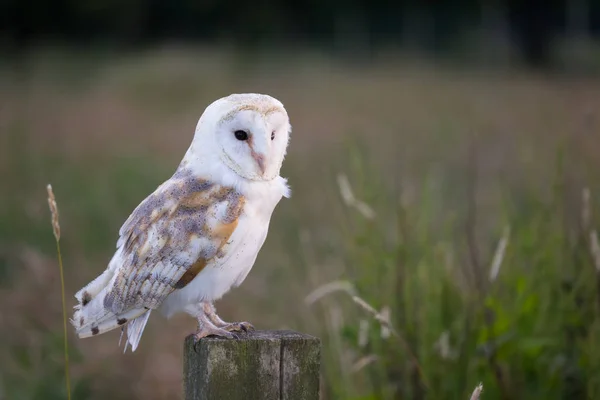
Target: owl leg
point(211, 314)
point(206, 327)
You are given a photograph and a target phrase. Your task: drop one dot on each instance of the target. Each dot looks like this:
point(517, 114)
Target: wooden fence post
point(259, 365)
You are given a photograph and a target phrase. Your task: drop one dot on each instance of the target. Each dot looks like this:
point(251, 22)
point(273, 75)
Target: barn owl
point(199, 233)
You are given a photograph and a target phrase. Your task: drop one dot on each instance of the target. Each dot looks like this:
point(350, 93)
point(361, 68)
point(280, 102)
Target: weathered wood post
point(259, 365)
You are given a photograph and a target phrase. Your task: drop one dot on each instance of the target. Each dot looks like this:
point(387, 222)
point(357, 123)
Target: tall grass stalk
point(384, 321)
point(56, 230)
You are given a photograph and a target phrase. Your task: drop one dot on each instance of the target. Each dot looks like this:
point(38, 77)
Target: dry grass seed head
point(54, 211)
point(477, 392)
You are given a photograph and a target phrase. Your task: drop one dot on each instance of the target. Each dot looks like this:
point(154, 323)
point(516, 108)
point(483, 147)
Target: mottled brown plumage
point(163, 226)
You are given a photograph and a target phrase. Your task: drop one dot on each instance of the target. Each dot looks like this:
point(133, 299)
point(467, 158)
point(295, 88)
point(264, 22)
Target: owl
point(198, 234)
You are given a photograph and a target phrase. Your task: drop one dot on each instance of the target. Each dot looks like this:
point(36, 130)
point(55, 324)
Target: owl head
point(246, 133)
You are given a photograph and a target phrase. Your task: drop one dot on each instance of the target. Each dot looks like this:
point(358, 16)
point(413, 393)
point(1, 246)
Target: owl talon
point(214, 332)
point(211, 314)
point(239, 327)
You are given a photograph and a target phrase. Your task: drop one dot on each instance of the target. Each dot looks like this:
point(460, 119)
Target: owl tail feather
point(91, 318)
point(135, 328)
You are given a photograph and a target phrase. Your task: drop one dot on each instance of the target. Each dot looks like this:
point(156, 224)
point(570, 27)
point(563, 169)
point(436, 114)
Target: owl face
point(245, 133)
point(253, 140)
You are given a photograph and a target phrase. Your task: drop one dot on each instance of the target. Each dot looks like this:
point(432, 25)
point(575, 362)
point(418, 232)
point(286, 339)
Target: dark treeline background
point(531, 26)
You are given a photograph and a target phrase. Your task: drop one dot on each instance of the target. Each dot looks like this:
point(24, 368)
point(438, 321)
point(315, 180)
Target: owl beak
point(260, 161)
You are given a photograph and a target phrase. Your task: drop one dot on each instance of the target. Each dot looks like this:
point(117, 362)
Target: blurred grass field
point(452, 162)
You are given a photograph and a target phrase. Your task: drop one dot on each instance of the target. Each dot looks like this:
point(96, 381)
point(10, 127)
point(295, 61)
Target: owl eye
point(241, 135)
point(272, 135)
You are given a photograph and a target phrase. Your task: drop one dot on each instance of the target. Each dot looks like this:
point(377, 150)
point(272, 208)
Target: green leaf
point(530, 304)
point(534, 346)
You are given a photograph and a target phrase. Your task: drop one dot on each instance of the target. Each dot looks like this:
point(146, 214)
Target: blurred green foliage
point(528, 333)
point(30, 379)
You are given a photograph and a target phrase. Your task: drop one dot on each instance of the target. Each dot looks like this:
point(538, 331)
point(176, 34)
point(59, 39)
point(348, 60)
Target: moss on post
point(258, 365)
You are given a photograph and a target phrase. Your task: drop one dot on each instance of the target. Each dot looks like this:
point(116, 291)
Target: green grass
point(402, 138)
point(528, 333)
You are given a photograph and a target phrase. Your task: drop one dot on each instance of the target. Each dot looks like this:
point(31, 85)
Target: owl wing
point(169, 239)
